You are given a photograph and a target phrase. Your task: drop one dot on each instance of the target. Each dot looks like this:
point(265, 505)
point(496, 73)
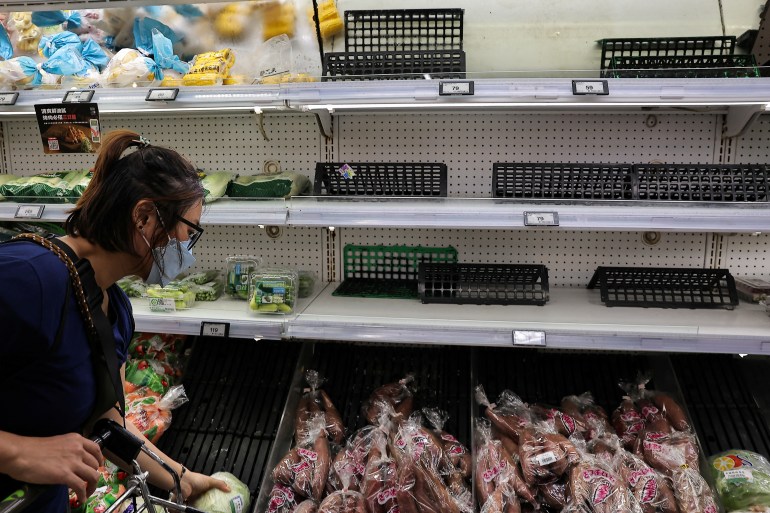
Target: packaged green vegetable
point(184, 296)
point(239, 269)
point(215, 185)
point(273, 291)
point(4, 179)
point(210, 291)
point(201, 277)
point(306, 283)
point(276, 185)
point(133, 286)
point(742, 480)
point(237, 500)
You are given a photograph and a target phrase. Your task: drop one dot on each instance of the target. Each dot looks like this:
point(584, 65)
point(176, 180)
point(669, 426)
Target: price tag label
point(456, 88)
point(8, 98)
point(29, 212)
point(83, 96)
point(162, 304)
point(215, 329)
point(164, 94)
point(599, 87)
point(541, 219)
point(529, 338)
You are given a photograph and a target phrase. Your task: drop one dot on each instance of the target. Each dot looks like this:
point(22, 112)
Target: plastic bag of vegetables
point(215, 185)
point(276, 185)
point(742, 480)
point(236, 500)
point(209, 285)
point(133, 286)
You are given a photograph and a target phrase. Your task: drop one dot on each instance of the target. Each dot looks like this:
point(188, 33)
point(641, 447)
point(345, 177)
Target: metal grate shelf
point(689, 66)
point(381, 179)
point(727, 398)
point(665, 287)
point(724, 183)
point(237, 390)
point(664, 46)
point(396, 30)
point(484, 284)
point(562, 181)
point(409, 65)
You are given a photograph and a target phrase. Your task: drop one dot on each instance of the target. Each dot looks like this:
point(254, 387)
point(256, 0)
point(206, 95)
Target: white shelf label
point(459, 88)
point(215, 329)
point(162, 304)
point(83, 96)
point(29, 211)
point(165, 94)
point(529, 338)
point(8, 98)
point(541, 219)
point(590, 87)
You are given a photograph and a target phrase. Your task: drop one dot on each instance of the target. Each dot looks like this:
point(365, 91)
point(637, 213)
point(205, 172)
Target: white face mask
point(176, 259)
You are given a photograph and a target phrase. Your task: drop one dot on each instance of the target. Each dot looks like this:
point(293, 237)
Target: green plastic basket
point(388, 271)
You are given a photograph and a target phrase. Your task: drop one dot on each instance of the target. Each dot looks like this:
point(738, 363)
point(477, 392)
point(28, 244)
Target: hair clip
point(142, 142)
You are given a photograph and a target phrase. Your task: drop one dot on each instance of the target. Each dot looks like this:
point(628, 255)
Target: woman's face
point(154, 229)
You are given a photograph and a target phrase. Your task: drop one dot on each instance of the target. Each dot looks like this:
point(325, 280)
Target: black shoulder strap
point(103, 349)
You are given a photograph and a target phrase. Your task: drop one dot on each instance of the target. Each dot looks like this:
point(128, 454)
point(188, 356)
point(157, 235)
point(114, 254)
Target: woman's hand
point(69, 459)
point(194, 484)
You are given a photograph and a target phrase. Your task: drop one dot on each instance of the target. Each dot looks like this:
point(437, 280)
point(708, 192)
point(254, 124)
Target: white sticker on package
point(546, 458)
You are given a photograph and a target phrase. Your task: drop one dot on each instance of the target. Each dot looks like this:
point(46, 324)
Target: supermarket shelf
point(243, 324)
point(573, 319)
point(223, 211)
point(47, 5)
point(491, 213)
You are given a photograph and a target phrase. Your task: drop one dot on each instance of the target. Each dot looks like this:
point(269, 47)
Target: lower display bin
point(237, 391)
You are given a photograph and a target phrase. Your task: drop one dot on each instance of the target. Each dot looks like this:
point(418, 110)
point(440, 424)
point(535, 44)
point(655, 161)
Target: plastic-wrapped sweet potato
point(563, 423)
point(307, 506)
point(343, 501)
point(351, 460)
point(455, 452)
point(509, 415)
point(595, 487)
point(554, 495)
point(381, 475)
point(628, 422)
point(693, 494)
point(282, 500)
point(651, 489)
point(673, 411)
point(592, 415)
point(306, 467)
point(544, 456)
point(499, 485)
point(667, 453)
point(654, 418)
point(316, 400)
point(419, 443)
point(399, 395)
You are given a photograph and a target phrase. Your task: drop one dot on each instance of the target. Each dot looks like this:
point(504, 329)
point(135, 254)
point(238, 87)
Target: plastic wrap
point(651, 489)
point(18, 72)
point(215, 184)
point(239, 269)
point(545, 456)
point(563, 423)
point(270, 185)
point(50, 44)
point(237, 500)
point(351, 460)
point(381, 477)
point(282, 500)
point(158, 376)
point(129, 67)
point(693, 494)
point(742, 479)
point(509, 415)
point(317, 400)
point(628, 422)
point(593, 486)
point(133, 286)
point(398, 395)
point(496, 476)
point(669, 452)
point(150, 413)
point(273, 291)
point(455, 452)
point(69, 20)
point(306, 467)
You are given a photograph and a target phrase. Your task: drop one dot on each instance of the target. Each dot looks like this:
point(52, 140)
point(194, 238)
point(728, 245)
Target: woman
point(139, 215)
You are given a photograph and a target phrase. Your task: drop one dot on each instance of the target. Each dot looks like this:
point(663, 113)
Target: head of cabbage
point(742, 479)
point(237, 500)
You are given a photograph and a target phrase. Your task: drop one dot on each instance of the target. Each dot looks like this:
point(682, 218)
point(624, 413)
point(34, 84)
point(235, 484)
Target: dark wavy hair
point(103, 215)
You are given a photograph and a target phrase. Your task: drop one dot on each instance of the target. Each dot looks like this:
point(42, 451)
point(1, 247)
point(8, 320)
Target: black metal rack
point(684, 66)
point(562, 181)
point(664, 46)
point(665, 287)
point(728, 398)
point(237, 391)
point(483, 284)
point(381, 179)
point(395, 30)
point(399, 44)
point(716, 183)
point(736, 183)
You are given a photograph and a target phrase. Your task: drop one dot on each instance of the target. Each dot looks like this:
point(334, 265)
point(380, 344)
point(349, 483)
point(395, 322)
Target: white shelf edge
point(703, 94)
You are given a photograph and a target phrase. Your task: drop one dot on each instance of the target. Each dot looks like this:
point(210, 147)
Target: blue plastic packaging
point(50, 44)
point(72, 19)
point(163, 53)
point(6, 48)
point(143, 28)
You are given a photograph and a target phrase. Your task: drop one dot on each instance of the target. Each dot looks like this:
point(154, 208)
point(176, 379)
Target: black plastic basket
point(397, 30)
point(665, 287)
point(562, 181)
point(665, 47)
point(685, 66)
point(387, 271)
point(423, 179)
point(718, 183)
point(484, 284)
point(404, 65)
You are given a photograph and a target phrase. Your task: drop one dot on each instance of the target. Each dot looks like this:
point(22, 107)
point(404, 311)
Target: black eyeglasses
point(194, 234)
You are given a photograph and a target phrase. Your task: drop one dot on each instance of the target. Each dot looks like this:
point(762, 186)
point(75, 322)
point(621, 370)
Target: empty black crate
point(397, 30)
point(665, 47)
point(562, 181)
point(484, 284)
point(718, 183)
point(381, 179)
point(687, 66)
point(665, 287)
point(408, 65)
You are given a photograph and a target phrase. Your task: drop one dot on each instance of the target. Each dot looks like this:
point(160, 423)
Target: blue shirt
point(47, 390)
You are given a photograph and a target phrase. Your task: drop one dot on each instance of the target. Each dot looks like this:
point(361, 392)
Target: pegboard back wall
point(571, 257)
point(226, 143)
point(470, 143)
point(746, 255)
point(300, 248)
point(754, 146)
